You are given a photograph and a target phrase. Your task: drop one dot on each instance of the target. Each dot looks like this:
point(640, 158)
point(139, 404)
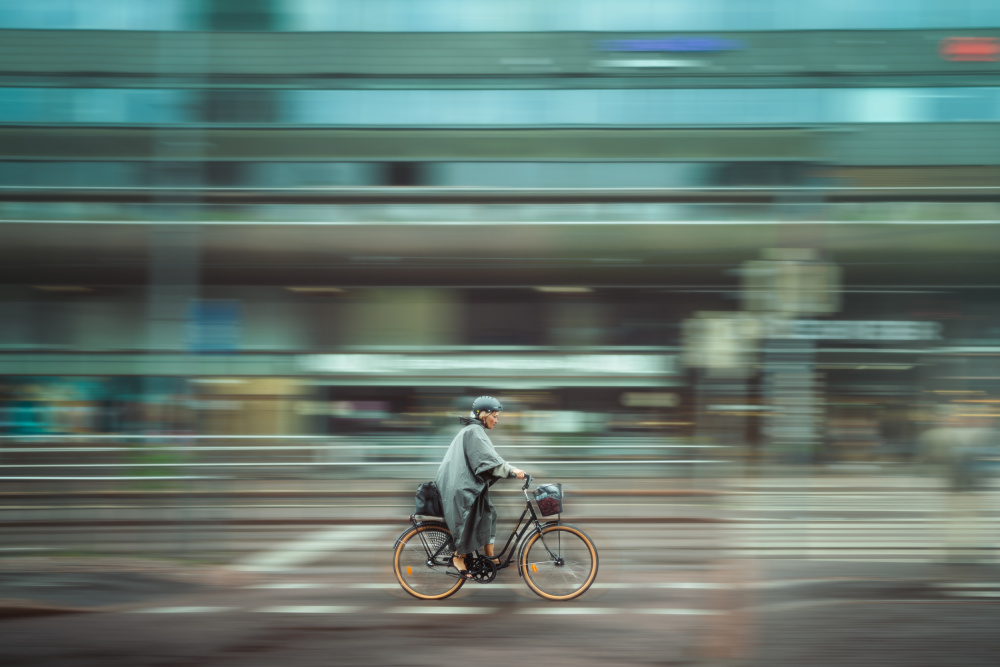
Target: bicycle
point(557, 561)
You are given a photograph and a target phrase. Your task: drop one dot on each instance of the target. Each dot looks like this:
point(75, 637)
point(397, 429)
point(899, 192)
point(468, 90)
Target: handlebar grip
point(527, 481)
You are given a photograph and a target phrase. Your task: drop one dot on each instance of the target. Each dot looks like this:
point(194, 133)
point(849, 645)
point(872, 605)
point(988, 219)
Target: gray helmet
point(485, 404)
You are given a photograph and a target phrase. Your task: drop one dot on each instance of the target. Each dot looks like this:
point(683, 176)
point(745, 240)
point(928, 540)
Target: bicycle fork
point(558, 560)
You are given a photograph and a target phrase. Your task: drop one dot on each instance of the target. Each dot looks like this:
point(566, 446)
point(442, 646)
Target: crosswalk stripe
point(564, 611)
point(598, 611)
point(184, 610)
point(310, 547)
point(694, 585)
point(543, 611)
point(682, 585)
point(310, 609)
point(680, 612)
point(644, 585)
point(290, 585)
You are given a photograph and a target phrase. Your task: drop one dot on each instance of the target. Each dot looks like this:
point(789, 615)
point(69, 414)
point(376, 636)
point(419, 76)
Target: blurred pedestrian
point(470, 467)
point(964, 449)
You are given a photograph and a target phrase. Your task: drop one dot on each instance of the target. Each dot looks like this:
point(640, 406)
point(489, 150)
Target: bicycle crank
point(483, 570)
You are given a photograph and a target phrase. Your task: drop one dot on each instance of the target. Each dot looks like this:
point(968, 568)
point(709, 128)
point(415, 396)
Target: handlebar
point(527, 482)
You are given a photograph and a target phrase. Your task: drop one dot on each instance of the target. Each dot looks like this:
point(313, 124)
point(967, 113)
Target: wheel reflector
point(409, 570)
point(534, 568)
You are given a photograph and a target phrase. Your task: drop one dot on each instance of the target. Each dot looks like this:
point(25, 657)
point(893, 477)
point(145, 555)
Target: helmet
point(485, 404)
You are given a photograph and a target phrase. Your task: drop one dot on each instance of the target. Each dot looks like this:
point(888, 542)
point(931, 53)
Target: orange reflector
point(534, 568)
point(409, 570)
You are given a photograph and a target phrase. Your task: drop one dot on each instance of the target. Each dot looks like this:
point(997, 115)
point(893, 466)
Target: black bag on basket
point(428, 500)
point(549, 498)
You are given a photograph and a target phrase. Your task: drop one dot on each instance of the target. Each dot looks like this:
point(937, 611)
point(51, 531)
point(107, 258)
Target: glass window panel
point(889, 105)
point(53, 15)
point(522, 15)
point(88, 105)
point(96, 15)
point(607, 15)
point(623, 15)
point(986, 13)
point(18, 105)
point(946, 105)
point(437, 108)
point(449, 15)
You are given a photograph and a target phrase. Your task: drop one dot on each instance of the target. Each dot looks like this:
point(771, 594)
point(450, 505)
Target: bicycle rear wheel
point(565, 573)
point(417, 573)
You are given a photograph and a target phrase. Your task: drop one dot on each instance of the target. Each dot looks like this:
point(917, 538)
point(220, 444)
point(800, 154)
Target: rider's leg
point(458, 560)
point(489, 551)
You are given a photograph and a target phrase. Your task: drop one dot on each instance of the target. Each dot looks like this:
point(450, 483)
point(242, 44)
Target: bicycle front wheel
point(559, 563)
point(421, 563)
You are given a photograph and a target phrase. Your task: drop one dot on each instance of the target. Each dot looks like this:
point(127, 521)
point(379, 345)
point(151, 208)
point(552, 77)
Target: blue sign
point(214, 325)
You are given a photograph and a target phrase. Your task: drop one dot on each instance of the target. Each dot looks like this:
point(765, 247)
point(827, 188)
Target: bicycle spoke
point(567, 571)
point(415, 575)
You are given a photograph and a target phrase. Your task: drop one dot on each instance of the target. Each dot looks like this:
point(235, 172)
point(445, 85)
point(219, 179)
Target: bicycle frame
point(513, 541)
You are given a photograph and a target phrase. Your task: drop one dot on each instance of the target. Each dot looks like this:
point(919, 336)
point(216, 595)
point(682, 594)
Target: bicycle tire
point(554, 580)
point(414, 574)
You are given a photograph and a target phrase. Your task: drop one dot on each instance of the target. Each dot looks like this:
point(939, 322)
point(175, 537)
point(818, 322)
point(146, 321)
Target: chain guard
point(483, 570)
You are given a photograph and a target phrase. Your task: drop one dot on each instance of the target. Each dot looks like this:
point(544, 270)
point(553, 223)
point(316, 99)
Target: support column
point(792, 429)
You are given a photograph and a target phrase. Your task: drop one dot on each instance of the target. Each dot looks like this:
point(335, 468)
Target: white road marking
point(569, 611)
point(440, 610)
point(977, 594)
point(184, 610)
point(676, 585)
point(796, 604)
point(283, 585)
point(306, 609)
point(311, 547)
point(494, 586)
point(859, 555)
point(791, 583)
point(680, 612)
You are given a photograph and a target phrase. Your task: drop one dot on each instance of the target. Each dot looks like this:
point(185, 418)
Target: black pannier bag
point(549, 498)
point(428, 500)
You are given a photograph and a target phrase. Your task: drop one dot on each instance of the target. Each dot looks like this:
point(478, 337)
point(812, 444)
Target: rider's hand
point(518, 473)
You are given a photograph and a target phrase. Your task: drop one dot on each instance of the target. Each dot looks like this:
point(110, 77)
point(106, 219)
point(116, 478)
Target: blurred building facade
point(295, 217)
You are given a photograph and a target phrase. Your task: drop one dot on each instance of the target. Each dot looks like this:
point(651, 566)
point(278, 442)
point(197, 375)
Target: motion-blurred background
point(277, 246)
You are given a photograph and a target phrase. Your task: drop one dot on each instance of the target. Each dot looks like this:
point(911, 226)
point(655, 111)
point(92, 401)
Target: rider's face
point(491, 419)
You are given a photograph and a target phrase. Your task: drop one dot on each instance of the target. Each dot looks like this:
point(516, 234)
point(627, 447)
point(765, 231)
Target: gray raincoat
point(464, 479)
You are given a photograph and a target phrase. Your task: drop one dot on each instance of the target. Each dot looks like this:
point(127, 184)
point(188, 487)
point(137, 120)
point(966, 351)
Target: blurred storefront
point(290, 219)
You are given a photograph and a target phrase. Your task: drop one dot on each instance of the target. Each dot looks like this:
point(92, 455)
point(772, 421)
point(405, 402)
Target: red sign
point(970, 49)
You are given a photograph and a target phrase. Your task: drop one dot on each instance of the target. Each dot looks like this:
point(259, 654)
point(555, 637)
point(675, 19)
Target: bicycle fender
point(418, 525)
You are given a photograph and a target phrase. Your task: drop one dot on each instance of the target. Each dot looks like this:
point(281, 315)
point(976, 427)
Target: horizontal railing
point(54, 458)
point(497, 195)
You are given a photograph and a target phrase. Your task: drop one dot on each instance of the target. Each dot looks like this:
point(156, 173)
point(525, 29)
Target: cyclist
point(470, 467)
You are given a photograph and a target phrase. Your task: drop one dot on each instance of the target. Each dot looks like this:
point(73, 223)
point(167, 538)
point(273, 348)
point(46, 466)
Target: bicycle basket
point(549, 498)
